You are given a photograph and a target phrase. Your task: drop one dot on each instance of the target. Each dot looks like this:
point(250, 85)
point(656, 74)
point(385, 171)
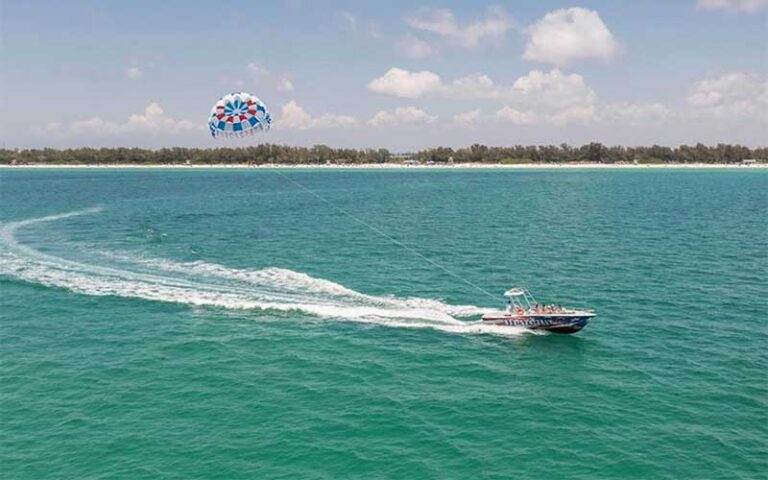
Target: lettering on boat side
point(529, 322)
point(541, 322)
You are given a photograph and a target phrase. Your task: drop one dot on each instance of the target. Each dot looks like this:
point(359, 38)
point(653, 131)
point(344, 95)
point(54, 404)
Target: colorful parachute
point(239, 114)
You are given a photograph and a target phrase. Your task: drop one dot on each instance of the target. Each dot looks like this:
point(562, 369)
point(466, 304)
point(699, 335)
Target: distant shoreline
point(397, 166)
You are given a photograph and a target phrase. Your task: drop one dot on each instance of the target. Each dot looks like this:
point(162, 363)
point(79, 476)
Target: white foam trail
point(201, 283)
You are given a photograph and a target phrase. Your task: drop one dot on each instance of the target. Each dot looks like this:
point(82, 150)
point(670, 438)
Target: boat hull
point(551, 323)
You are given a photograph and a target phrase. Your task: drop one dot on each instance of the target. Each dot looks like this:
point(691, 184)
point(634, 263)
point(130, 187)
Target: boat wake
point(208, 284)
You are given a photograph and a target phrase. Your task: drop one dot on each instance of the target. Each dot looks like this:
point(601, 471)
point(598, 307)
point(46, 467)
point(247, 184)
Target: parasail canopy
point(238, 114)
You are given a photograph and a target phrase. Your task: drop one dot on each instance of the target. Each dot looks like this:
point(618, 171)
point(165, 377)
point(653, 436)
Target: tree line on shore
point(321, 154)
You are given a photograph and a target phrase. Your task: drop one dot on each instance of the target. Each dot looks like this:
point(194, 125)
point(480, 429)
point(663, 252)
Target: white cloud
point(296, 118)
point(284, 84)
point(516, 116)
point(548, 98)
point(405, 84)
point(268, 79)
point(349, 21)
point(567, 35)
point(552, 88)
point(293, 116)
point(372, 31)
point(576, 104)
point(724, 103)
point(94, 125)
point(53, 127)
point(415, 47)
point(401, 115)
point(472, 86)
point(731, 95)
point(153, 121)
point(467, 118)
point(355, 26)
point(626, 113)
point(578, 114)
point(745, 6)
point(133, 72)
point(402, 83)
point(442, 22)
point(538, 97)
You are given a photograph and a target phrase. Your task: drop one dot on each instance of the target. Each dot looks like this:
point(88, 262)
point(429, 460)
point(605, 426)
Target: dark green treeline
point(321, 154)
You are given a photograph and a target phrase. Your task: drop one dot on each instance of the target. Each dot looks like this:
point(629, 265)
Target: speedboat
point(523, 311)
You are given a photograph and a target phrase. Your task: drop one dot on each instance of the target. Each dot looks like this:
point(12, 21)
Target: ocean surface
point(317, 324)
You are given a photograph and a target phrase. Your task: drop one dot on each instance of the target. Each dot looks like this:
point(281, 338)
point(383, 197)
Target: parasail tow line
point(386, 236)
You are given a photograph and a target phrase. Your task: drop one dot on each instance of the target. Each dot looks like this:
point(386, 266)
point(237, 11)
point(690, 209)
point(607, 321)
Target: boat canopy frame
point(520, 297)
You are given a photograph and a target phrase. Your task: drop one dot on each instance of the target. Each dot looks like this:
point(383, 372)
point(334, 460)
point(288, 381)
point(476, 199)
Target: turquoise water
point(228, 324)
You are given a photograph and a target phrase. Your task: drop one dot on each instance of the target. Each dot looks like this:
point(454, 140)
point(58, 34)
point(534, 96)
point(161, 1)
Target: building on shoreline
point(404, 158)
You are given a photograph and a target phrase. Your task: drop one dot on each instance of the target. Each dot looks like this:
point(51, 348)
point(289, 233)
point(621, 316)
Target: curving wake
point(208, 284)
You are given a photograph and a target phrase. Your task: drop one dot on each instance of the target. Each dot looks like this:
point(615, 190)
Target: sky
point(398, 74)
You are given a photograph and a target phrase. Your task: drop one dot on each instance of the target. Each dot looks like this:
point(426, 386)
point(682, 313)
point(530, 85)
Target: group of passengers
point(538, 309)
